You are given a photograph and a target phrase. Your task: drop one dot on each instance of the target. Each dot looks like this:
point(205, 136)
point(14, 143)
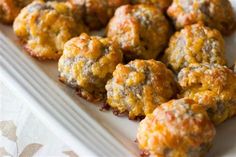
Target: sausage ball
point(87, 64)
point(195, 44)
point(212, 86)
point(9, 9)
point(178, 128)
point(214, 13)
point(139, 86)
point(161, 4)
point(43, 28)
point(141, 30)
point(97, 13)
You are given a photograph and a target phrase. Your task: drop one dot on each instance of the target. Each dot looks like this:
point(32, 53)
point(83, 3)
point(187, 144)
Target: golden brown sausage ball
point(87, 63)
point(195, 44)
point(139, 86)
point(96, 13)
point(212, 86)
point(161, 4)
point(43, 28)
point(179, 128)
point(214, 13)
point(141, 30)
point(9, 9)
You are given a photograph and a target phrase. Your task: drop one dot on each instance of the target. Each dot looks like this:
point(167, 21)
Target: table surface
point(22, 134)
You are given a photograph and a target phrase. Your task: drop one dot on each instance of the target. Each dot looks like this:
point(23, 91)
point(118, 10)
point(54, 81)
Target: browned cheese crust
point(161, 4)
point(214, 13)
point(212, 86)
point(9, 9)
point(178, 128)
point(44, 27)
point(142, 31)
point(87, 63)
point(195, 44)
point(96, 13)
point(139, 86)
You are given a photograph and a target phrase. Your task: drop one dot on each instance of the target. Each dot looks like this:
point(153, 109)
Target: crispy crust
point(135, 27)
point(161, 4)
point(38, 56)
point(214, 13)
point(140, 86)
point(96, 13)
point(178, 128)
point(44, 27)
point(212, 86)
point(195, 44)
point(87, 63)
point(8, 11)
point(91, 97)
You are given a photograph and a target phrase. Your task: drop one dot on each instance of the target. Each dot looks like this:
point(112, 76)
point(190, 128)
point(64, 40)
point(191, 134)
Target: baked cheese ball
point(9, 9)
point(195, 44)
point(96, 13)
point(161, 4)
point(212, 86)
point(214, 13)
point(178, 128)
point(44, 27)
point(142, 31)
point(87, 64)
point(138, 87)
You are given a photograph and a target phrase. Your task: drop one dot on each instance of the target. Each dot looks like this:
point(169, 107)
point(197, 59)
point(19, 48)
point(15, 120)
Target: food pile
point(160, 61)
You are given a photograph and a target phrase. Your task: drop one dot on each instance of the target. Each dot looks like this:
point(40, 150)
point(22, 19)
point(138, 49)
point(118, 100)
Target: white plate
point(79, 123)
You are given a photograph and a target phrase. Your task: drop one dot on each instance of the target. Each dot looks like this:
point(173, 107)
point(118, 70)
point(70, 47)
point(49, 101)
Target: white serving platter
point(80, 124)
